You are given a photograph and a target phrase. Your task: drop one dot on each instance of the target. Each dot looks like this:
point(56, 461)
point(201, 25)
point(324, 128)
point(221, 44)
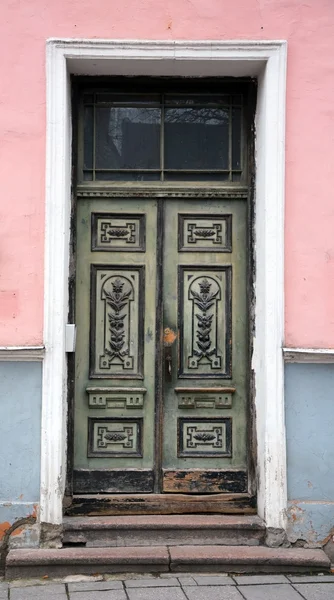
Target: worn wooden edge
point(204, 481)
point(163, 504)
point(101, 481)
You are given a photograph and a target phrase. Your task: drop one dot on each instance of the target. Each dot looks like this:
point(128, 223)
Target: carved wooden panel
point(205, 233)
point(115, 232)
point(115, 437)
point(117, 322)
point(191, 398)
point(115, 397)
point(205, 322)
point(204, 437)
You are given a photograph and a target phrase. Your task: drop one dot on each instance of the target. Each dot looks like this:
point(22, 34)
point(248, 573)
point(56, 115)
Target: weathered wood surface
point(139, 504)
point(204, 481)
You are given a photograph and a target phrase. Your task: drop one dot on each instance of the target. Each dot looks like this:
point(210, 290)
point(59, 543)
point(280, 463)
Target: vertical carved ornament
point(205, 321)
point(118, 299)
point(117, 330)
point(204, 293)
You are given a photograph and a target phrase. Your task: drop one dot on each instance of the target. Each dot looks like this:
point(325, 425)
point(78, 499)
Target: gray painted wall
point(20, 438)
point(309, 401)
point(309, 404)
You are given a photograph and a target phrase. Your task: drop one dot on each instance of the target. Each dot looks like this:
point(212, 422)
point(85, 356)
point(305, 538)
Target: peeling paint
point(4, 527)
point(34, 513)
point(8, 531)
point(169, 336)
point(310, 523)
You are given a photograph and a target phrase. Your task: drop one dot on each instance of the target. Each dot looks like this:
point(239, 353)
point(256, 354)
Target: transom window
point(174, 135)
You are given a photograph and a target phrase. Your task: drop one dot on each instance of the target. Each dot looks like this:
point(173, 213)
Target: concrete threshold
point(224, 559)
point(164, 530)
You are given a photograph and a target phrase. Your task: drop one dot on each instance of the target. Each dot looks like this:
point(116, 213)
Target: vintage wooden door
point(161, 362)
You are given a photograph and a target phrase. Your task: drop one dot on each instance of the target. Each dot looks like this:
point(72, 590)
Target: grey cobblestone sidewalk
point(177, 586)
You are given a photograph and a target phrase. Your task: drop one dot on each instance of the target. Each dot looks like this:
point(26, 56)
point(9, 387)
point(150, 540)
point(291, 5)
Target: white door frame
point(265, 60)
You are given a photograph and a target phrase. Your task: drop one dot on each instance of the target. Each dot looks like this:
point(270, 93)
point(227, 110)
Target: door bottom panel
point(196, 481)
point(160, 504)
point(109, 481)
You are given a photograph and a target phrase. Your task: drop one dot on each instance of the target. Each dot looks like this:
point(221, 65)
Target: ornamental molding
point(21, 353)
point(165, 193)
point(308, 355)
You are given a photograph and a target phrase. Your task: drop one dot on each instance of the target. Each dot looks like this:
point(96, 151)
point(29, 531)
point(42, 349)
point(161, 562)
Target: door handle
point(168, 363)
point(169, 339)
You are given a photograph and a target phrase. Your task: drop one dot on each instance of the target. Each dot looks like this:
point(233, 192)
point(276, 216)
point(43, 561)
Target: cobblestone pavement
point(170, 586)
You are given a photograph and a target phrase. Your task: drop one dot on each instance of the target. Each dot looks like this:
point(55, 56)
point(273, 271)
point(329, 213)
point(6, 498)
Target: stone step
point(245, 559)
point(223, 559)
point(164, 530)
point(85, 561)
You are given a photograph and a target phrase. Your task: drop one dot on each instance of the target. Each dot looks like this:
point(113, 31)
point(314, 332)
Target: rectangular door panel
point(205, 347)
point(115, 358)
point(204, 314)
point(117, 329)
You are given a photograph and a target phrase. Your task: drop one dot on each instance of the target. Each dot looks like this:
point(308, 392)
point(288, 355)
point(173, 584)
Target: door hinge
point(70, 337)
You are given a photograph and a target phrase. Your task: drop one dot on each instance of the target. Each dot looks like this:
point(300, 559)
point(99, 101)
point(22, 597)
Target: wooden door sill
point(155, 504)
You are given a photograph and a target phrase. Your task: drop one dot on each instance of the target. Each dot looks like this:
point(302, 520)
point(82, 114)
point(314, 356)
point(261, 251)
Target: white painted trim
point(263, 59)
point(269, 291)
point(21, 353)
point(56, 271)
point(309, 355)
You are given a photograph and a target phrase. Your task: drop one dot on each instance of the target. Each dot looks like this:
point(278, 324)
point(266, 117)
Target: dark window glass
point(186, 100)
point(127, 176)
point(184, 176)
point(88, 175)
point(130, 99)
point(150, 137)
point(196, 138)
point(236, 138)
point(88, 137)
point(127, 138)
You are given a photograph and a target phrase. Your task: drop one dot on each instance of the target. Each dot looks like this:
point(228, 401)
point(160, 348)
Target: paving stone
point(316, 591)
point(94, 586)
point(187, 581)
point(3, 594)
point(133, 575)
point(3, 586)
point(213, 580)
point(167, 593)
point(21, 594)
point(169, 575)
point(38, 591)
point(140, 583)
point(33, 581)
point(99, 595)
point(311, 578)
point(205, 592)
point(259, 579)
point(82, 578)
point(270, 592)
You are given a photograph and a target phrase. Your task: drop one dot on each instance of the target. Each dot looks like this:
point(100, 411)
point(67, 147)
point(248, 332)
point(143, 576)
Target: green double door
point(161, 386)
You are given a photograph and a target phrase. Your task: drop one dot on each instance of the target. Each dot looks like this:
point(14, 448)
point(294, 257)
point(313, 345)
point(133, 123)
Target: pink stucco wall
point(309, 28)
